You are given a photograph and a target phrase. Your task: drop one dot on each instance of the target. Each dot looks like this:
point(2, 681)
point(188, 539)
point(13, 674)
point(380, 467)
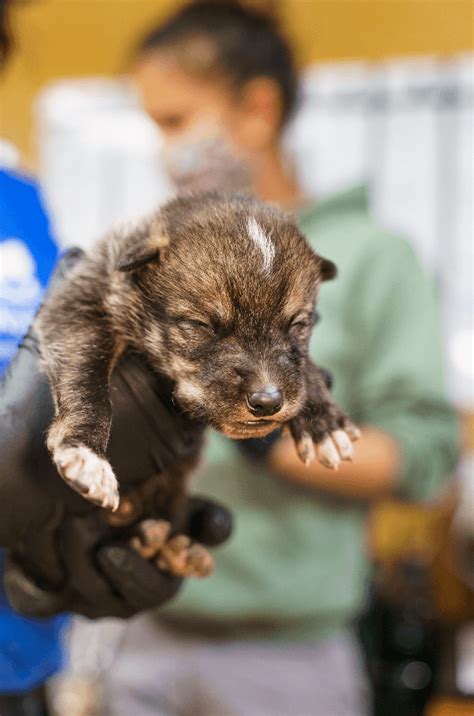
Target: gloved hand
point(259, 449)
point(64, 553)
point(103, 575)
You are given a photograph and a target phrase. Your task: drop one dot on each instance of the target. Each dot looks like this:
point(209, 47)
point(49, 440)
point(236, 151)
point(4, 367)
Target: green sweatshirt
point(295, 567)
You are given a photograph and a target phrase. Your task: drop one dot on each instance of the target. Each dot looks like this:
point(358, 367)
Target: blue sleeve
point(31, 650)
point(28, 254)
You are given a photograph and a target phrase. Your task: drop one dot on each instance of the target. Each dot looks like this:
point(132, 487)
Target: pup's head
point(227, 290)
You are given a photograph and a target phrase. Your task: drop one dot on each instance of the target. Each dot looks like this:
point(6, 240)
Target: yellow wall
point(60, 38)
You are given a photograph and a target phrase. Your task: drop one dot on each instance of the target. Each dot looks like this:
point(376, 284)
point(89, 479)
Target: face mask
point(204, 160)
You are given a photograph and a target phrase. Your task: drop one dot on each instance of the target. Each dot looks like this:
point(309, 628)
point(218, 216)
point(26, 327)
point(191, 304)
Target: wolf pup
point(219, 295)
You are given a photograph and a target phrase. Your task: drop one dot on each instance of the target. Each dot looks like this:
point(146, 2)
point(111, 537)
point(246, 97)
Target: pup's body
point(219, 295)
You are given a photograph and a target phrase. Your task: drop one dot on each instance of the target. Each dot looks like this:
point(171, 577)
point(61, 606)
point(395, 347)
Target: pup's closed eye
point(302, 321)
point(196, 328)
point(195, 323)
point(210, 325)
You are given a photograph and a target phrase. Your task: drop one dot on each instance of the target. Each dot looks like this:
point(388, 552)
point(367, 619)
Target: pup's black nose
point(267, 401)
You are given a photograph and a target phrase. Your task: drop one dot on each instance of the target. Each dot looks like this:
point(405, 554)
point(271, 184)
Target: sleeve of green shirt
point(400, 384)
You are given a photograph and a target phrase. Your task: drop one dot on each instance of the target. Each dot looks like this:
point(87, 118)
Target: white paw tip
point(88, 474)
point(327, 453)
point(343, 444)
point(353, 432)
point(305, 449)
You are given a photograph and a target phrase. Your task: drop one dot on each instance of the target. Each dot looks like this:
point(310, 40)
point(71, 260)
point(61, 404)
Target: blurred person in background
point(270, 632)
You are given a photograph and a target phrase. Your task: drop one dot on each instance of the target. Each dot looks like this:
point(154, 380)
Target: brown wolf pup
point(219, 295)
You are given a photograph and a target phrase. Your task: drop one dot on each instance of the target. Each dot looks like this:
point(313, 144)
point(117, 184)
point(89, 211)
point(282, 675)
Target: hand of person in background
point(65, 554)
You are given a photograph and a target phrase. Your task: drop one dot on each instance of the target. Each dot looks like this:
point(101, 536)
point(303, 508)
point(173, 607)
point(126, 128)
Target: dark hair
point(5, 35)
point(247, 43)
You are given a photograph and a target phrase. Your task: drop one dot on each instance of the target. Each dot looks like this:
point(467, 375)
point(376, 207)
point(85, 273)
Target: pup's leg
point(162, 540)
point(78, 364)
point(322, 424)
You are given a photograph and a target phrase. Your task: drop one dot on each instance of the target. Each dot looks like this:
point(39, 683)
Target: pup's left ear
point(144, 245)
point(137, 256)
point(327, 269)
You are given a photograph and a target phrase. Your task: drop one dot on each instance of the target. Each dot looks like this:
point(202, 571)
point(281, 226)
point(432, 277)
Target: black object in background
point(401, 641)
point(31, 703)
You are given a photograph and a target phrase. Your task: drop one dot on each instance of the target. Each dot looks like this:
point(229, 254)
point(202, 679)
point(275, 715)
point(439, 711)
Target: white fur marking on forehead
point(262, 242)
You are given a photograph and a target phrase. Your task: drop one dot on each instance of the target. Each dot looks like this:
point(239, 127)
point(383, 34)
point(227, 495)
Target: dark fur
point(187, 289)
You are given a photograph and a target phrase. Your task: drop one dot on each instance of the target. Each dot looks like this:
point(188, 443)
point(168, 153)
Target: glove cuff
point(26, 597)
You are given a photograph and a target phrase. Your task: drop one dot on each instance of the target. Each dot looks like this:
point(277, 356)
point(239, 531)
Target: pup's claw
point(302, 440)
point(343, 444)
point(305, 448)
point(88, 474)
point(352, 430)
point(327, 454)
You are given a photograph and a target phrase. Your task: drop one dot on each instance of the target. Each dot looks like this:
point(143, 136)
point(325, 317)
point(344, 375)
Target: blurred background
point(388, 101)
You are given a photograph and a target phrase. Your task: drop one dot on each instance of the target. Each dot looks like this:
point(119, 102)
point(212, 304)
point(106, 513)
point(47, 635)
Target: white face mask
point(204, 160)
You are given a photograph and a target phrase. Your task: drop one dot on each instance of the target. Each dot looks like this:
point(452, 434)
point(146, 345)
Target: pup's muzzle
point(265, 402)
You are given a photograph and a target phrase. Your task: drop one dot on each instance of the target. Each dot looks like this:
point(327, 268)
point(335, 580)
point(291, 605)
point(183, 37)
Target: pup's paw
point(88, 474)
point(151, 537)
point(325, 432)
point(176, 555)
point(184, 559)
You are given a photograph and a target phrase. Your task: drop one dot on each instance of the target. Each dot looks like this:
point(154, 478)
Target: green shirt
point(295, 567)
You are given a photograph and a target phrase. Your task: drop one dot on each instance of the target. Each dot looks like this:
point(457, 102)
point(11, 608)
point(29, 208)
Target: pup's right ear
point(327, 269)
point(144, 246)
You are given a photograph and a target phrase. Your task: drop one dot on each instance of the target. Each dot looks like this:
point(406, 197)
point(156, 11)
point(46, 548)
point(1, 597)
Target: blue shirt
point(27, 256)
point(30, 649)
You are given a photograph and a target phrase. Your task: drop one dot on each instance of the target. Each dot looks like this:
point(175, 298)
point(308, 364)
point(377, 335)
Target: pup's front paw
point(88, 474)
point(325, 431)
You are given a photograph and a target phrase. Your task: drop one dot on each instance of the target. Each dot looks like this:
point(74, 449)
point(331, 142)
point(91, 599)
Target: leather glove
point(64, 553)
point(104, 576)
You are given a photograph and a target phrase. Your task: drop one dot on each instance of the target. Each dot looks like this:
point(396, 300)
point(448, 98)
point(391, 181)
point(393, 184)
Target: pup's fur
point(219, 294)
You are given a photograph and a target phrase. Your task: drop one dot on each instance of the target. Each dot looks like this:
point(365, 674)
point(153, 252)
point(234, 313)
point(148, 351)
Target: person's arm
point(409, 438)
point(372, 474)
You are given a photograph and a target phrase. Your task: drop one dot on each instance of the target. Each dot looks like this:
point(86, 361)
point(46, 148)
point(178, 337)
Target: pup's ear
point(144, 245)
point(136, 256)
point(327, 269)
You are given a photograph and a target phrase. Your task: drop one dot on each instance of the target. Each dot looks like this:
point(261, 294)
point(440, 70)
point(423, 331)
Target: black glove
point(65, 554)
point(105, 577)
point(258, 449)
